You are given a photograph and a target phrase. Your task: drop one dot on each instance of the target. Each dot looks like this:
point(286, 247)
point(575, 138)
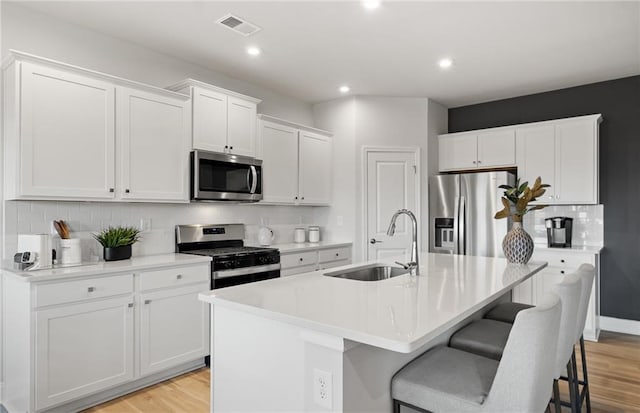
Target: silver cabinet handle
point(179, 276)
point(130, 305)
point(112, 189)
point(91, 289)
point(374, 241)
point(474, 162)
point(479, 162)
point(147, 301)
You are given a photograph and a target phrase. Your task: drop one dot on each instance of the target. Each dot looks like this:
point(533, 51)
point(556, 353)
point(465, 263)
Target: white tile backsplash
point(588, 223)
point(86, 218)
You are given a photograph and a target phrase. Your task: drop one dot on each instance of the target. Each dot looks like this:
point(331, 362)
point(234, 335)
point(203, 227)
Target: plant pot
point(517, 245)
point(117, 253)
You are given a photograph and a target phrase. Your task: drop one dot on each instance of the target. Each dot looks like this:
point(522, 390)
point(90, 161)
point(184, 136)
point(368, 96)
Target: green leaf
point(117, 236)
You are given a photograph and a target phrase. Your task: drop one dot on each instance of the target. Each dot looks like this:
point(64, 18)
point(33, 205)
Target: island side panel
point(257, 364)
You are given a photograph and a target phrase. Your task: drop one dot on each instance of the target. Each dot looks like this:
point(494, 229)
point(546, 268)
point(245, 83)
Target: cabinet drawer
point(334, 254)
point(174, 277)
point(567, 260)
point(334, 264)
point(299, 259)
point(85, 289)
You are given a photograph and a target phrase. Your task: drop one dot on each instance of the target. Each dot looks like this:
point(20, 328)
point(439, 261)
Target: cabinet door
point(153, 134)
point(209, 120)
point(497, 148)
point(458, 152)
point(315, 169)
point(67, 141)
point(82, 349)
point(279, 163)
point(241, 135)
point(576, 162)
point(538, 157)
point(174, 328)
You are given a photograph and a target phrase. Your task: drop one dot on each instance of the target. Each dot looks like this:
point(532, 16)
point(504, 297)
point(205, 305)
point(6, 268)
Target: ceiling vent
point(238, 25)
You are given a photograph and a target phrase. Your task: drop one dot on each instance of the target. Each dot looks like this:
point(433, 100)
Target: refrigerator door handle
point(456, 225)
point(462, 217)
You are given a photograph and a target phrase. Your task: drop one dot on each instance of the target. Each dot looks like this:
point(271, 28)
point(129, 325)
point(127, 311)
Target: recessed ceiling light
point(253, 51)
point(344, 89)
point(445, 63)
point(371, 4)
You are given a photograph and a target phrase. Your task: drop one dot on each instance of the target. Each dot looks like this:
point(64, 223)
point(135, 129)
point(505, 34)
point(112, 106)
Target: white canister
point(299, 235)
point(70, 251)
point(314, 234)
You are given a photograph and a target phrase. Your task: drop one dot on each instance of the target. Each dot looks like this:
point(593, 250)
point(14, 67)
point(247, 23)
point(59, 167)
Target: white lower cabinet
point(174, 327)
point(82, 348)
point(562, 263)
point(98, 333)
point(313, 259)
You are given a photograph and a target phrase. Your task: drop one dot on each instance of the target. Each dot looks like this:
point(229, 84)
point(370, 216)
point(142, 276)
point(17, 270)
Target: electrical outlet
point(322, 388)
point(145, 225)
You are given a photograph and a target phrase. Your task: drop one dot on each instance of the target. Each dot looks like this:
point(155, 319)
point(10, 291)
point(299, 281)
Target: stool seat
point(483, 337)
point(445, 379)
point(506, 312)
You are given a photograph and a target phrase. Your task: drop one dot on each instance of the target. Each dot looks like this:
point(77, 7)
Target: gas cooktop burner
point(234, 251)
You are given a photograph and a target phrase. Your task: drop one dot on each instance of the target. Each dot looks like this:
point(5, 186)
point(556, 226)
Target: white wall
point(375, 121)
point(47, 36)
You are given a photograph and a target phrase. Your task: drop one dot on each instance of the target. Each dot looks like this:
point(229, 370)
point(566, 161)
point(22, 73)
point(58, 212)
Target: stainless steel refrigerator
point(461, 210)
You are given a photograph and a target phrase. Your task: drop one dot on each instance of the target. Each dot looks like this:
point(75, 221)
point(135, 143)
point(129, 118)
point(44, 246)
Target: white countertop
point(577, 249)
point(399, 314)
point(299, 247)
point(147, 262)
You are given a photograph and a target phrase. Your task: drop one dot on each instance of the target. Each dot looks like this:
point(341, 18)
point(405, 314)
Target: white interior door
point(391, 178)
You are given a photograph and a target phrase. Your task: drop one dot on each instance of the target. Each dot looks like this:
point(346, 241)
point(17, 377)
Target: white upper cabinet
point(241, 134)
point(209, 120)
point(63, 125)
point(297, 162)
point(279, 162)
point(477, 150)
point(564, 153)
point(315, 172)
point(536, 145)
point(458, 152)
point(154, 133)
point(60, 134)
point(223, 121)
point(577, 161)
point(496, 148)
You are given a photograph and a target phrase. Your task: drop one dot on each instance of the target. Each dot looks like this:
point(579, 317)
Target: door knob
point(374, 241)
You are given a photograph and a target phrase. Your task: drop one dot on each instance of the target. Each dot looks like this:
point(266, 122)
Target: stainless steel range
point(233, 263)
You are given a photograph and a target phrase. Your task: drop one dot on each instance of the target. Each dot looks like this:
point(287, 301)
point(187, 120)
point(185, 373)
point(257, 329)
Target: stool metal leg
point(556, 396)
point(585, 378)
point(573, 397)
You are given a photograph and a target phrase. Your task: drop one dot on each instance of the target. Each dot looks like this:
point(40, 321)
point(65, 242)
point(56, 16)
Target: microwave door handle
point(249, 179)
point(254, 181)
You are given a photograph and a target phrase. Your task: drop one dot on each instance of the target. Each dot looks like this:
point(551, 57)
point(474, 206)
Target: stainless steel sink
point(370, 272)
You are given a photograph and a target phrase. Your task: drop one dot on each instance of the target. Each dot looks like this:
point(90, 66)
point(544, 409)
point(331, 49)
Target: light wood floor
point(614, 373)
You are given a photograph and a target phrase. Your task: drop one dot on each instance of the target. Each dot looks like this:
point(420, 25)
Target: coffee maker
point(559, 232)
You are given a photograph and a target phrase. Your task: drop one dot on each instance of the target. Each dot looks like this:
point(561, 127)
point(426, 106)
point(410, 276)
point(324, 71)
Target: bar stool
point(449, 380)
point(506, 312)
point(485, 337)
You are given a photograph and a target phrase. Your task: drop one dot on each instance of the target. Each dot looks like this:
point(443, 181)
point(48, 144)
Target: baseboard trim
point(620, 325)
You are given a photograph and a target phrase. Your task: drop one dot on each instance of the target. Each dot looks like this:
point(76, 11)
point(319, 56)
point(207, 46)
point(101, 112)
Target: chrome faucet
point(412, 266)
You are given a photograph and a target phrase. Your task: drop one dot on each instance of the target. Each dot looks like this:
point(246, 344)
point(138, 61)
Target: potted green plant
point(517, 245)
point(117, 242)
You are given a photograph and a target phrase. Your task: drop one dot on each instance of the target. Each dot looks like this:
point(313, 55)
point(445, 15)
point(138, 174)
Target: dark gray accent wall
point(619, 103)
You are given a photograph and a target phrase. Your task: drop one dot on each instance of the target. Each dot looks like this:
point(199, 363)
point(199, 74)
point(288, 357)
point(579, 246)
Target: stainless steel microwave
point(225, 177)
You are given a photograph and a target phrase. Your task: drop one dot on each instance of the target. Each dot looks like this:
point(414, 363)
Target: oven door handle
point(244, 271)
point(254, 180)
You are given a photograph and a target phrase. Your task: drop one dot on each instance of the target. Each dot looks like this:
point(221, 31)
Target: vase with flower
point(517, 245)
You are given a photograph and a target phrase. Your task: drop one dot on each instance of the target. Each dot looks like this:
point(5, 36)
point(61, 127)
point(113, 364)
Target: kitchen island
point(311, 342)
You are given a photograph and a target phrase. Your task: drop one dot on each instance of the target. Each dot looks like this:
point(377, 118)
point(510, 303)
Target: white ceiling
point(500, 49)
